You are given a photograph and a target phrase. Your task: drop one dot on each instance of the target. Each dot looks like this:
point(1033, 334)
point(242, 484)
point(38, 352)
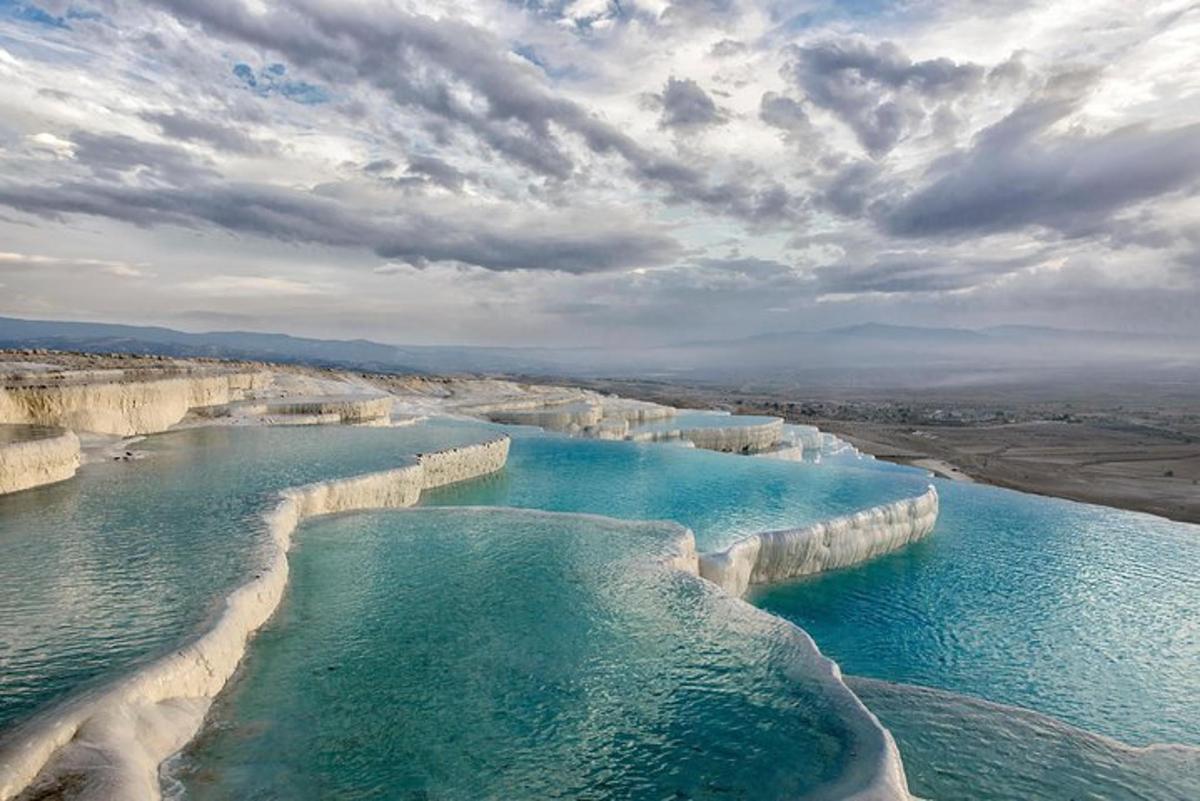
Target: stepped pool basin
point(484, 653)
point(1078, 612)
point(721, 497)
point(103, 572)
point(1081, 612)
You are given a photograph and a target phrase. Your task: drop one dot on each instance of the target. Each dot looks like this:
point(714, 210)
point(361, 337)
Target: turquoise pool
point(1079, 612)
point(721, 497)
point(1085, 613)
point(105, 571)
point(956, 747)
point(492, 654)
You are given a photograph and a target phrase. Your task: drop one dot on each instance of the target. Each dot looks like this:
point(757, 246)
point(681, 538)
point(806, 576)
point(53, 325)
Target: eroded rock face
point(44, 457)
point(124, 404)
point(843, 541)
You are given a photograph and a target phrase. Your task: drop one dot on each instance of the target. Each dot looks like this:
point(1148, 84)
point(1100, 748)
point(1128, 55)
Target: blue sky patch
point(271, 80)
point(27, 12)
point(531, 55)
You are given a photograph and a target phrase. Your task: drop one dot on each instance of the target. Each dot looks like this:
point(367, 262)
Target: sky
point(603, 172)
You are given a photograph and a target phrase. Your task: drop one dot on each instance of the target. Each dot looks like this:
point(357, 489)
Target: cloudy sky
point(600, 171)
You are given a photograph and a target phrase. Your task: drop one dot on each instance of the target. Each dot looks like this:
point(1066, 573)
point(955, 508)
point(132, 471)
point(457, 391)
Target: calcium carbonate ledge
point(119, 403)
point(38, 461)
point(594, 417)
point(728, 439)
point(841, 542)
point(109, 744)
point(333, 409)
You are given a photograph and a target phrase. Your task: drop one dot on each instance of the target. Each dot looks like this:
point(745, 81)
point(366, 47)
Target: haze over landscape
point(591, 173)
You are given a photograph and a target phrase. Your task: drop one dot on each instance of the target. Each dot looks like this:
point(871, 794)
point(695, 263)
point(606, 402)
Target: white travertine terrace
point(34, 462)
point(120, 402)
point(109, 744)
point(728, 439)
point(573, 417)
point(332, 409)
point(595, 416)
point(808, 436)
point(784, 452)
point(843, 541)
point(590, 415)
point(112, 743)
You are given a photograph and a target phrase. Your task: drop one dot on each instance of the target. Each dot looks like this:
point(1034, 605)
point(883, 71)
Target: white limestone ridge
point(589, 414)
point(109, 744)
point(358, 408)
point(33, 462)
point(810, 437)
point(785, 452)
point(843, 541)
point(121, 402)
point(728, 439)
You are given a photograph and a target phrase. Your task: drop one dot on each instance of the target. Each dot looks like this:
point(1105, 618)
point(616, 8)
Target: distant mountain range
point(872, 353)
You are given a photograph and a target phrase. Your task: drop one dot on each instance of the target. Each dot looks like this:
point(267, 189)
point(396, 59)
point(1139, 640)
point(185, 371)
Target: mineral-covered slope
point(840, 542)
point(120, 402)
point(42, 459)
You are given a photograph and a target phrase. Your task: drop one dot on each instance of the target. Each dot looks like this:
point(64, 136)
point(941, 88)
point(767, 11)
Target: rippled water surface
point(957, 747)
point(100, 573)
point(452, 654)
point(1081, 612)
point(472, 654)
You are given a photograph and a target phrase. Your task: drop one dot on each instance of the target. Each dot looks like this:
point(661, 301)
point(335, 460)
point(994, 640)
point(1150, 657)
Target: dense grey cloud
point(686, 106)
point(1017, 174)
point(296, 217)
point(879, 92)
point(437, 171)
point(186, 127)
point(728, 47)
point(717, 13)
point(421, 173)
point(908, 272)
point(111, 156)
point(852, 188)
point(786, 114)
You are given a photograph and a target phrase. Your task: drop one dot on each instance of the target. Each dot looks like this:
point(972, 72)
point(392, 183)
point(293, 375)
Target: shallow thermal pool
point(408, 654)
point(103, 572)
point(472, 654)
point(1085, 613)
point(956, 747)
point(721, 497)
